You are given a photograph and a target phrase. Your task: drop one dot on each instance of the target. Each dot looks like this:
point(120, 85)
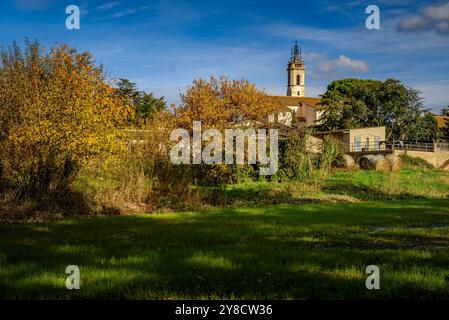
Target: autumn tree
point(57, 113)
point(220, 103)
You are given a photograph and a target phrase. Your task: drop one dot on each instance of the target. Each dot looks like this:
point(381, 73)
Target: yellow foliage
point(55, 108)
point(221, 103)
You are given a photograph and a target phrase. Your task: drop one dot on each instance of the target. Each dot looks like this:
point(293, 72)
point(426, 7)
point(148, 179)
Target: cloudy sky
point(163, 45)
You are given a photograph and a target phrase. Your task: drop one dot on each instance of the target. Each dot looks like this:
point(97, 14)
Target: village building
point(307, 113)
point(358, 140)
point(296, 103)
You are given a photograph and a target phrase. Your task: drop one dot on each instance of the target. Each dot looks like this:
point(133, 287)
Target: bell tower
point(296, 73)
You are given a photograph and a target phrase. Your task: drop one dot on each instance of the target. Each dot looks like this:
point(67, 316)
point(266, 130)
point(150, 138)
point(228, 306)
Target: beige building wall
point(306, 116)
point(365, 138)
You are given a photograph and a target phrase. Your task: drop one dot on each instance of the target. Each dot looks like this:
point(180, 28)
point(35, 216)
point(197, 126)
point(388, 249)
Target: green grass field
point(317, 250)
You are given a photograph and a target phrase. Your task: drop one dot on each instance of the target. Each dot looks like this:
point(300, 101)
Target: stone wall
point(438, 159)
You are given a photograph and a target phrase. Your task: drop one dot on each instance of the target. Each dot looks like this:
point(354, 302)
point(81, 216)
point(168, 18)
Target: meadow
point(92, 183)
point(290, 241)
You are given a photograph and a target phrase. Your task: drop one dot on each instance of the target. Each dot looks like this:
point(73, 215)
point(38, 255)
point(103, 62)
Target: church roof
point(288, 101)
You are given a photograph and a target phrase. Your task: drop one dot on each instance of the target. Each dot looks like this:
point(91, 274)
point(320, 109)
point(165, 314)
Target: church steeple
point(296, 73)
point(296, 52)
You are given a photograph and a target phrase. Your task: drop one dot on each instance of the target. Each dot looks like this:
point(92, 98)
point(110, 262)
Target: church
point(304, 108)
point(307, 112)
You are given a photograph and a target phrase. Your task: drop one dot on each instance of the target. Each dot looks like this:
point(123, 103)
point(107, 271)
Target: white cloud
point(343, 62)
point(124, 13)
point(108, 5)
point(347, 63)
point(437, 12)
point(129, 11)
point(433, 17)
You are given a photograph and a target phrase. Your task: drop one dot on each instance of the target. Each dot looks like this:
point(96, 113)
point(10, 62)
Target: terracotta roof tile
point(295, 101)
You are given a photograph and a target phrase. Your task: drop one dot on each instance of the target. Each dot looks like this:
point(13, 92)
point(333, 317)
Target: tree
point(356, 103)
point(426, 129)
point(445, 129)
point(128, 90)
point(146, 105)
point(219, 103)
point(57, 113)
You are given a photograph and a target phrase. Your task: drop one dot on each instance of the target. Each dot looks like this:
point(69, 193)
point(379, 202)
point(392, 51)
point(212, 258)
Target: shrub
point(332, 154)
point(296, 163)
point(244, 173)
point(57, 114)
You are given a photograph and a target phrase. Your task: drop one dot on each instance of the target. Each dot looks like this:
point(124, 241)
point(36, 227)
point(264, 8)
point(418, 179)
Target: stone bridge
point(436, 154)
point(438, 158)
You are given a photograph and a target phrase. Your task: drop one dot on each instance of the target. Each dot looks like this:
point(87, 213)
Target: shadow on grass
point(50, 207)
point(364, 192)
point(283, 252)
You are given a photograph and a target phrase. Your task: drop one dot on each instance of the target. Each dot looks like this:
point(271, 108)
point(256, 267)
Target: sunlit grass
point(316, 250)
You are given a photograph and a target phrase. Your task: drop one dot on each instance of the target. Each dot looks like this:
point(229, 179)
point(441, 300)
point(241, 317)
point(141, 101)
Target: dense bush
point(332, 154)
point(57, 114)
point(296, 163)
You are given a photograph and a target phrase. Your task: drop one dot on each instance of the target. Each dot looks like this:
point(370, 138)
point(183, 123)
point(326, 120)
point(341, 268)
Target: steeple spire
point(296, 52)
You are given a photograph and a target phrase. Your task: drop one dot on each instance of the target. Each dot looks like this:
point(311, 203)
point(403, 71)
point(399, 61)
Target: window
point(298, 80)
point(357, 144)
point(299, 93)
point(377, 143)
point(367, 144)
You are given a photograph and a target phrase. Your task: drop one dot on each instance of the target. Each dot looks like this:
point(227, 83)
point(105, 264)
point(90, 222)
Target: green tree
point(445, 129)
point(356, 103)
point(426, 129)
point(445, 111)
point(146, 105)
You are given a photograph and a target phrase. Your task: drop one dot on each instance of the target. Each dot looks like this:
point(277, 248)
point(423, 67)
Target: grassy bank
point(284, 251)
point(100, 194)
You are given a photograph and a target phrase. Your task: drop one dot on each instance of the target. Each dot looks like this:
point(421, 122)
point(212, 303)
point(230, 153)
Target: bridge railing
point(440, 146)
point(400, 145)
point(365, 146)
point(412, 146)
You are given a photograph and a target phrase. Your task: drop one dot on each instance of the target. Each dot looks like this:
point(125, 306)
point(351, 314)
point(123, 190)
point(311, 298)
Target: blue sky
point(164, 45)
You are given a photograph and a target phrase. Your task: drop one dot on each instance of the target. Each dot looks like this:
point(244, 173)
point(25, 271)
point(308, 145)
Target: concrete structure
point(296, 74)
point(438, 156)
point(358, 140)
